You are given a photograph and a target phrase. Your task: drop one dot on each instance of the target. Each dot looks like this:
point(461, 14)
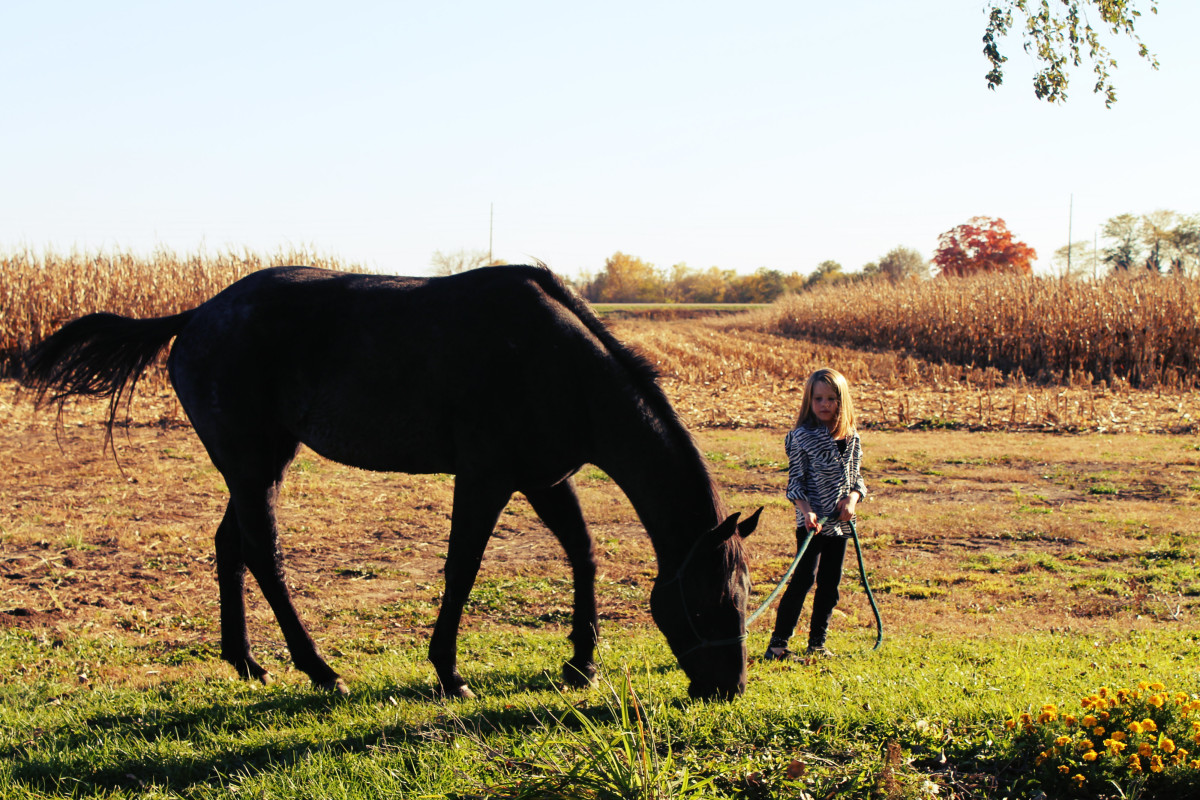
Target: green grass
point(821, 728)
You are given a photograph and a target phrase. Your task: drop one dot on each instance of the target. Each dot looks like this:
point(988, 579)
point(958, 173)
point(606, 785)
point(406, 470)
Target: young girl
point(824, 454)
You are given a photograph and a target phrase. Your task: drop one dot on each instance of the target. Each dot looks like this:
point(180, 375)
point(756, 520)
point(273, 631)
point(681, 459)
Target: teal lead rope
point(787, 576)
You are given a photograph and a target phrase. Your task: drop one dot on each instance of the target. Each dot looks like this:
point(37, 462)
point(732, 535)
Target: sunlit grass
point(199, 733)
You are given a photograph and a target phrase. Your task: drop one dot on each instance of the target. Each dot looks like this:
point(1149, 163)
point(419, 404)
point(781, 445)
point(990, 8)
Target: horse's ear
point(746, 528)
point(726, 529)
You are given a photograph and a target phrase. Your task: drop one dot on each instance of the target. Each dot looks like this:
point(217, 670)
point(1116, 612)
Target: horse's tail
point(98, 355)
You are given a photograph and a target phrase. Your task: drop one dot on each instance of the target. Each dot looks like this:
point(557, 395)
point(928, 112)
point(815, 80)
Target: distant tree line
point(628, 279)
point(1162, 242)
point(1159, 243)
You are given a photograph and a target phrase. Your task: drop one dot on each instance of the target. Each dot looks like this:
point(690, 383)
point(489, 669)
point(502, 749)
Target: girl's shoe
point(818, 650)
point(778, 654)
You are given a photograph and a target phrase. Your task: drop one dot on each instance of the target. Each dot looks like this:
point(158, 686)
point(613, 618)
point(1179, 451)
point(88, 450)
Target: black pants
point(822, 563)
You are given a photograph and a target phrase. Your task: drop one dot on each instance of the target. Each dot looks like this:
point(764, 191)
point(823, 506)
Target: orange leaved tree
point(982, 244)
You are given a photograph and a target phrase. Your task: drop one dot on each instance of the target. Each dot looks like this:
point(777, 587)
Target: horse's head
point(701, 609)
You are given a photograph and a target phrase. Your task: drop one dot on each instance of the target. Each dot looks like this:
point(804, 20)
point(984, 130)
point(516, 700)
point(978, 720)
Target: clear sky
point(755, 134)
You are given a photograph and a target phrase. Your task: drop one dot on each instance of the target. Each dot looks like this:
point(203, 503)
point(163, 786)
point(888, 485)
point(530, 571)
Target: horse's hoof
point(577, 678)
point(458, 693)
point(336, 686)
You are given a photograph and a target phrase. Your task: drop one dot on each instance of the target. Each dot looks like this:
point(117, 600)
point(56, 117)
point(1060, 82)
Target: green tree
point(827, 272)
point(1059, 35)
point(627, 279)
point(902, 263)
point(1185, 246)
point(1126, 248)
point(761, 286)
point(1157, 231)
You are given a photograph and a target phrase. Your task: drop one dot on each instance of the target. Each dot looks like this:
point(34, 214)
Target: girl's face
point(824, 403)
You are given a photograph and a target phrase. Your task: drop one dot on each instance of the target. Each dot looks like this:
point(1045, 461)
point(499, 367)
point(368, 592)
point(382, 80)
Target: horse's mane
point(644, 375)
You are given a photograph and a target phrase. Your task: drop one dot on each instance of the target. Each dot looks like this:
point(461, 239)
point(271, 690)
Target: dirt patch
point(965, 531)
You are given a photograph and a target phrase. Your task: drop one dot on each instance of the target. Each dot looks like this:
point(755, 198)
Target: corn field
point(1143, 330)
point(39, 292)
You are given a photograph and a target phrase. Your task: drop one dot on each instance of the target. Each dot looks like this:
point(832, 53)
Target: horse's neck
point(664, 476)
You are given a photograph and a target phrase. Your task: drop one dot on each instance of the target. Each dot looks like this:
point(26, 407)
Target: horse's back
point(382, 372)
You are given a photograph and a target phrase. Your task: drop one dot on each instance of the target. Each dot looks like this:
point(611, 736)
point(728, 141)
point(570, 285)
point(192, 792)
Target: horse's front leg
point(477, 507)
point(558, 506)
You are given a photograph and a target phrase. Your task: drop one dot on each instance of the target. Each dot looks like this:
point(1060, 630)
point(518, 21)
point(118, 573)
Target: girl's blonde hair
point(845, 423)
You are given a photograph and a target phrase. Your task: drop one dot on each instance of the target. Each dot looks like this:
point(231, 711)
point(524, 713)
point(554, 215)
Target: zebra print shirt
point(819, 474)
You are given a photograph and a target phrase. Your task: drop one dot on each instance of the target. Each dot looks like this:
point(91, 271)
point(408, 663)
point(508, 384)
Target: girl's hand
point(811, 523)
point(846, 506)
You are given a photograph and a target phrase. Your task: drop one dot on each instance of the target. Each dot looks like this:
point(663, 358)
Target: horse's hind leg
point(231, 574)
point(558, 506)
point(255, 508)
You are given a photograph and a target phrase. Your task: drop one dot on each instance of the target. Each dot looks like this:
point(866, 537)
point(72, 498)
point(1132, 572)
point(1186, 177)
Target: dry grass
point(1141, 330)
point(723, 374)
point(40, 291)
point(1008, 531)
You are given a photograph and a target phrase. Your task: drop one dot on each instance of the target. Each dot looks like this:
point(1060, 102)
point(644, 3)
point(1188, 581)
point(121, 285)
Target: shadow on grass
point(97, 753)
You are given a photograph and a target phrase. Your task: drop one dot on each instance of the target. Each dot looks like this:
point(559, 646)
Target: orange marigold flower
point(1113, 746)
point(1062, 741)
point(1068, 720)
point(1145, 749)
point(1156, 686)
point(1135, 727)
point(1157, 700)
point(1194, 763)
point(1064, 769)
point(1079, 779)
point(1135, 764)
point(1180, 698)
point(1089, 721)
point(1103, 691)
point(1156, 764)
point(1090, 755)
point(1084, 745)
point(1025, 718)
point(1118, 735)
point(1166, 745)
point(1098, 730)
point(1143, 685)
point(1148, 726)
point(1010, 723)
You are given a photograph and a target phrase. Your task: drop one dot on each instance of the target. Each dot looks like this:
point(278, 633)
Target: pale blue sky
point(774, 134)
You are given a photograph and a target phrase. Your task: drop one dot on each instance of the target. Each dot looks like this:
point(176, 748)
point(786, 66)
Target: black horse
point(501, 376)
